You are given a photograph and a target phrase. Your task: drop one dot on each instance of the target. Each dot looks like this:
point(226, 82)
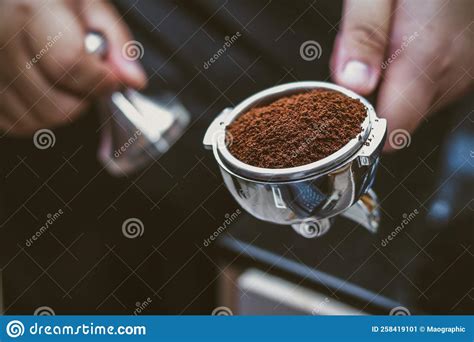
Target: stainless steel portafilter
point(136, 129)
point(307, 197)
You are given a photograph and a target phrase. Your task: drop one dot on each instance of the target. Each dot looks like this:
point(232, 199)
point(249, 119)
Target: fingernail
point(357, 75)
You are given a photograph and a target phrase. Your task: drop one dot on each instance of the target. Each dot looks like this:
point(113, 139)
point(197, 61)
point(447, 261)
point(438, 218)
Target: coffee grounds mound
point(296, 130)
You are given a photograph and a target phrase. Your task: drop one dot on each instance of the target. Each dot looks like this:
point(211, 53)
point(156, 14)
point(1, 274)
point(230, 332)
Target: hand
point(46, 76)
point(420, 53)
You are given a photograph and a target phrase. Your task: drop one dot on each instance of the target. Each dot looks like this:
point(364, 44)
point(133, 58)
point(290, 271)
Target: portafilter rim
point(331, 162)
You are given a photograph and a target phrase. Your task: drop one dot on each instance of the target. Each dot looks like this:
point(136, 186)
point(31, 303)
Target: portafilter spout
point(136, 129)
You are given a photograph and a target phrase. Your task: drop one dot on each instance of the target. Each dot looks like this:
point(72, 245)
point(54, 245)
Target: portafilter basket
point(307, 197)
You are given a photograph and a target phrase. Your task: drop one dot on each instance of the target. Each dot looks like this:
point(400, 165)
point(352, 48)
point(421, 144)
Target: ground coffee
point(296, 130)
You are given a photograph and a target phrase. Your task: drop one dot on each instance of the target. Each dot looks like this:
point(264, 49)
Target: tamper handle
point(96, 44)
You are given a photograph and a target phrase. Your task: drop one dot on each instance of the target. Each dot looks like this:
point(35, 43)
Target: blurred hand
point(420, 53)
point(46, 76)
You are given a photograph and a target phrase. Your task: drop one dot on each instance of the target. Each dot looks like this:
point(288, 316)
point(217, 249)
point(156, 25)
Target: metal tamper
point(136, 129)
point(307, 197)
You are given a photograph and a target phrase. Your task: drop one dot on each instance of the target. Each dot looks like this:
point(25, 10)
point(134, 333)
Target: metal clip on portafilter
point(136, 129)
point(306, 197)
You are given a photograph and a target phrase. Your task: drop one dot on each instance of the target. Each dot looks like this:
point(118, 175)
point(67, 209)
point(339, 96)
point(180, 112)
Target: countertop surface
point(350, 264)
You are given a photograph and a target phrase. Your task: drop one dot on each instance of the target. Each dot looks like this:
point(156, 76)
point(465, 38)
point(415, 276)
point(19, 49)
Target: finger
point(361, 44)
point(5, 124)
point(6, 117)
point(56, 44)
point(101, 16)
point(16, 119)
point(45, 102)
point(405, 98)
point(42, 100)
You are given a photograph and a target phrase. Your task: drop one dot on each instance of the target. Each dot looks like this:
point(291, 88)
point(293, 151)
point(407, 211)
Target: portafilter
point(307, 197)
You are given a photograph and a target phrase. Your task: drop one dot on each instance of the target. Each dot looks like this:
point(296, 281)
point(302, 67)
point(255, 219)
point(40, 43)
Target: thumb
point(405, 99)
point(123, 52)
point(361, 43)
